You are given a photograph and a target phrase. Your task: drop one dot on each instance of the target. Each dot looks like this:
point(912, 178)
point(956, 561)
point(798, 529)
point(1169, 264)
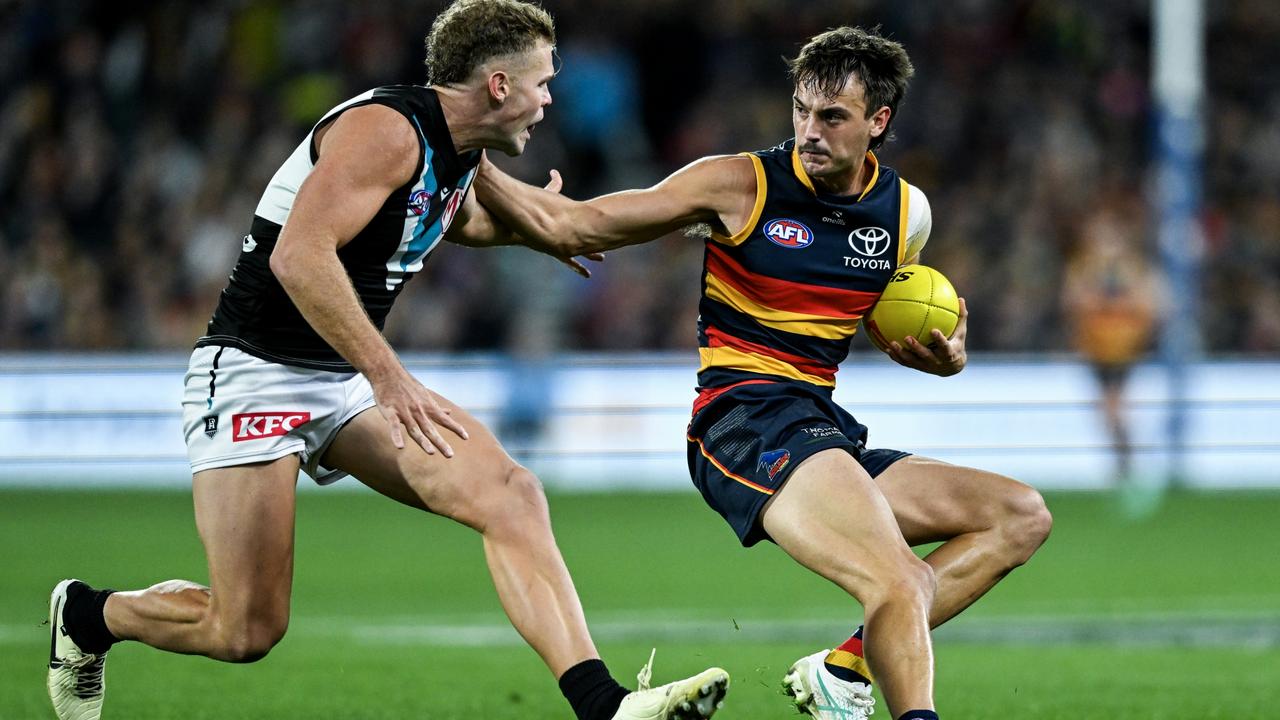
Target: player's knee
point(526, 490)
point(919, 581)
point(250, 641)
point(519, 504)
point(1027, 523)
point(910, 580)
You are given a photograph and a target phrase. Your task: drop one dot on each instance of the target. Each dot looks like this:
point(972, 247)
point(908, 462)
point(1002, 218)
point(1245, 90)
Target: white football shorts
point(239, 409)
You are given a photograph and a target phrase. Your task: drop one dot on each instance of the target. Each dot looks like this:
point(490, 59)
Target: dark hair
point(827, 60)
point(470, 32)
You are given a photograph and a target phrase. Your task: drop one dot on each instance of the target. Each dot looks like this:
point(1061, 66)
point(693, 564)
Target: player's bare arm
point(476, 227)
point(719, 190)
point(364, 156)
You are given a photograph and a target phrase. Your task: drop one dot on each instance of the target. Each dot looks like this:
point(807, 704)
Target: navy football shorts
point(745, 443)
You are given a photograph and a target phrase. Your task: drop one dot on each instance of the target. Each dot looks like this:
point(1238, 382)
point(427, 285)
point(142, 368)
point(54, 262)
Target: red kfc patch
point(255, 426)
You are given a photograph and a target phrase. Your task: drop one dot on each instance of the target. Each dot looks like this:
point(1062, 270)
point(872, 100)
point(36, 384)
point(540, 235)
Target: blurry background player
point(294, 373)
point(1112, 299)
point(786, 278)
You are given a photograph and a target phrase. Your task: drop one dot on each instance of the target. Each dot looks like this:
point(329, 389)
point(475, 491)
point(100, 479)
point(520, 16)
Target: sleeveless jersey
point(254, 312)
point(782, 297)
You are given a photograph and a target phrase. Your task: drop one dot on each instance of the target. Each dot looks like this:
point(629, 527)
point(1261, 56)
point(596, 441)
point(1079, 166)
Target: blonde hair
point(470, 32)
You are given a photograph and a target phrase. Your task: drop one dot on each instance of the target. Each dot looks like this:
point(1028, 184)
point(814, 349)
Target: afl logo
point(418, 202)
point(788, 233)
point(869, 241)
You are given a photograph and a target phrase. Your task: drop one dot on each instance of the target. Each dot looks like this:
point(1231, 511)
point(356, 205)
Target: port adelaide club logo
point(788, 233)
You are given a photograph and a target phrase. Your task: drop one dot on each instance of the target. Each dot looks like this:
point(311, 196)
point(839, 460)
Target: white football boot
point(76, 680)
point(815, 691)
point(693, 698)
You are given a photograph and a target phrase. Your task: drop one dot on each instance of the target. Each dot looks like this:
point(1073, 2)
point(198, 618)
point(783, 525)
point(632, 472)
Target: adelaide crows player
point(805, 237)
point(294, 373)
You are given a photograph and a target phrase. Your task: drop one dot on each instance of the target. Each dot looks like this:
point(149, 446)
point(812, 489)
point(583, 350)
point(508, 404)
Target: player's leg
point(831, 517)
point(989, 525)
point(1113, 378)
point(483, 488)
point(245, 518)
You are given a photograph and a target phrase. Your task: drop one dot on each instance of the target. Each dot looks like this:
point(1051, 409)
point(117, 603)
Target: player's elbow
point(283, 263)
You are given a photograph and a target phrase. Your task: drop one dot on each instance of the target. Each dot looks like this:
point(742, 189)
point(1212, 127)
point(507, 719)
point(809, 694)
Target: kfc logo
point(255, 426)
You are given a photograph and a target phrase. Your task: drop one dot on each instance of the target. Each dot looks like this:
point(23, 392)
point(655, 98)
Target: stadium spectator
point(122, 124)
point(1113, 297)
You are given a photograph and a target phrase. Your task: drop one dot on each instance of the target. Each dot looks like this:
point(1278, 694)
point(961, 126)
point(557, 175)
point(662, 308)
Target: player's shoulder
point(782, 149)
point(721, 172)
point(405, 91)
point(375, 125)
point(776, 158)
point(919, 219)
point(370, 143)
point(398, 106)
point(917, 197)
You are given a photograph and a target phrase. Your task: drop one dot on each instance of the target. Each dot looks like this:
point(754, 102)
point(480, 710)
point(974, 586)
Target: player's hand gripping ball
point(917, 300)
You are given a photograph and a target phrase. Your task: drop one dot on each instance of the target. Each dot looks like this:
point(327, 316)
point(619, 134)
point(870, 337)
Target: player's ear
point(880, 120)
point(499, 86)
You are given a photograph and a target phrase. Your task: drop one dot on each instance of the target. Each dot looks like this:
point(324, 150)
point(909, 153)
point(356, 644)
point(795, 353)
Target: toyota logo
point(869, 241)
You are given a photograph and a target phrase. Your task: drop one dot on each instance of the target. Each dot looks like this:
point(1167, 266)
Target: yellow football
point(917, 300)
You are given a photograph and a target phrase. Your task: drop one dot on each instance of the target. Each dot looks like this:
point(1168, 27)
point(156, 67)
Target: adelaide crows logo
point(773, 461)
point(788, 233)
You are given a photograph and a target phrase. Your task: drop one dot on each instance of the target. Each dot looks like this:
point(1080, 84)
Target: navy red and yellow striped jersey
point(782, 297)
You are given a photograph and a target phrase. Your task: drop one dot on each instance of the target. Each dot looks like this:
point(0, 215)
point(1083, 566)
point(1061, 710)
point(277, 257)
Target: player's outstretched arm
point(476, 227)
point(717, 190)
point(944, 356)
point(364, 156)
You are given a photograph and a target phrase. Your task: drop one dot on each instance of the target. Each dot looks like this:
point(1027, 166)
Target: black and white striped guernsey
point(254, 312)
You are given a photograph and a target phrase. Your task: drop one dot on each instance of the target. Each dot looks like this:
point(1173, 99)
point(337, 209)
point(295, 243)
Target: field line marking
point(1253, 630)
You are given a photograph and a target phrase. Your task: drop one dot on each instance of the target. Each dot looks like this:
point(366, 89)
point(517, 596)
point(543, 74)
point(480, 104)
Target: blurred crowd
point(135, 139)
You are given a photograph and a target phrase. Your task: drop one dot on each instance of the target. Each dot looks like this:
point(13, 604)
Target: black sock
point(82, 616)
point(920, 715)
point(591, 690)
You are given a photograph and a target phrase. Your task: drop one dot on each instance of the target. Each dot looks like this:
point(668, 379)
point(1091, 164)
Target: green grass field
point(1174, 616)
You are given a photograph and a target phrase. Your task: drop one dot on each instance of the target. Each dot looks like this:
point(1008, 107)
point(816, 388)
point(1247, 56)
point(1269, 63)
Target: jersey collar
point(804, 178)
point(444, 156)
